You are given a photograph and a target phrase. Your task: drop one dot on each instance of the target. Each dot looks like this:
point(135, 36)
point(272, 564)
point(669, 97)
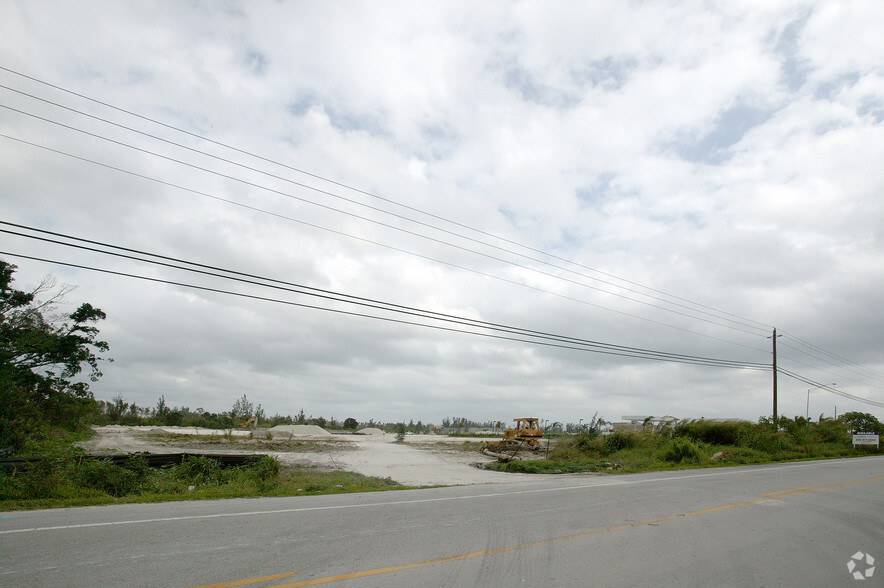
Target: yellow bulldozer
point(252, 423)
point(525, 435)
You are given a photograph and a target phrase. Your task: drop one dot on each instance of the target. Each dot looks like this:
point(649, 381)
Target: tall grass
point(714, 433)
point(695, 444)
point(61, 479)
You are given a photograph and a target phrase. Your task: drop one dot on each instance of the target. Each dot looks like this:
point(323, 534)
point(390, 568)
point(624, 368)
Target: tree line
point(119, 412)
point(48, 359)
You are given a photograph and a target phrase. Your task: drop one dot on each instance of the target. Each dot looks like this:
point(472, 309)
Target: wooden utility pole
point(774, 339)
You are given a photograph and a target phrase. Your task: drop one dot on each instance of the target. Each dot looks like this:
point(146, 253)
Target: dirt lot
point(421, 460)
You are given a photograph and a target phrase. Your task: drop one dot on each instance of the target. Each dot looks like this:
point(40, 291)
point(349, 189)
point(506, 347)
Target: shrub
point(584, 443)
point(830, 432)
point(265, 473)
point(105, 476)
point(38, 481)
point(577, 447)
point(797, 429)
point(618, 440)
point(198, 469)
point(679, 450)
point(713, 433)
point(763, 438)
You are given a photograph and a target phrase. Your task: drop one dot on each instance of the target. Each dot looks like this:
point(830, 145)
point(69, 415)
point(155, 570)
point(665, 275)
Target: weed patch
point(620, 440)
point(693, 444)
point(681, 451)
point(66, 481)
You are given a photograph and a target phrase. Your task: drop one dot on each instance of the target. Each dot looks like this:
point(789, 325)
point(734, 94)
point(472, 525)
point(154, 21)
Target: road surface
point(797, 524)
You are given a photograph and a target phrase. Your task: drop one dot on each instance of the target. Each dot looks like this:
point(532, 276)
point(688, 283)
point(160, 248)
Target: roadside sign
point(860, 438)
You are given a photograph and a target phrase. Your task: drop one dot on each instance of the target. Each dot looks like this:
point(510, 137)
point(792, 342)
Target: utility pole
point(774, 339)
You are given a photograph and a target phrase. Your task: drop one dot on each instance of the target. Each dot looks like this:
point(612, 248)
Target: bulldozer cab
point(528, 425)
point(525, 435)
point(526, 429)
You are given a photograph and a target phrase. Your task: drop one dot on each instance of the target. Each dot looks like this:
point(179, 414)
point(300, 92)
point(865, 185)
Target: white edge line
point(425, 500)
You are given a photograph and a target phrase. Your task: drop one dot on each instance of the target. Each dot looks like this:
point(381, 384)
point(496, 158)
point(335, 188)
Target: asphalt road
point(793, 524)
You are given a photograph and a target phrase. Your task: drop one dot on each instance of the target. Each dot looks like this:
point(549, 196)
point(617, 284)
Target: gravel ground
point(421, 460)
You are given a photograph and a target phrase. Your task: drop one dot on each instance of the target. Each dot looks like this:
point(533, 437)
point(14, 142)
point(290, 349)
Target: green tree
point(117, 408)
point(42, 360)
point(242, 409)
point(350, 423)
point(863, 421)
point(162, 410)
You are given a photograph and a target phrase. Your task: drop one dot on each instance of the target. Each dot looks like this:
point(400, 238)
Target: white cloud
point(726, 155)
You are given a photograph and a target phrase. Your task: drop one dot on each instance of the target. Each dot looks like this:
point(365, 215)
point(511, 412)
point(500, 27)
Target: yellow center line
point(487, 552)
point(841, 485)
point(258, 580)
point(786, 491)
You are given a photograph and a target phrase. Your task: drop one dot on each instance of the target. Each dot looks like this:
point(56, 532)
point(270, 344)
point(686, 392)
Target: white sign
point(865, 439)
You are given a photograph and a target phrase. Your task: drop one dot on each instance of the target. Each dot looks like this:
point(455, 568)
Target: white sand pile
point(370, 431)
point(298, 430)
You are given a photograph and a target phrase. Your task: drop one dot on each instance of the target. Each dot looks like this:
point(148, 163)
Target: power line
point(227, 146)
point(855, 367)
point(832, 373)
point(400, 217)
point(547, 340)
point(362, 239)
point(322, 293)
point(862, 377)
point(331, 194)
point(364, 192)
point(374, 221)
point(829, 388)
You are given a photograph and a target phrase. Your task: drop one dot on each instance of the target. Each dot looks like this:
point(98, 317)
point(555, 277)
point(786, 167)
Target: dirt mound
point(298, 430)
point(370, 431)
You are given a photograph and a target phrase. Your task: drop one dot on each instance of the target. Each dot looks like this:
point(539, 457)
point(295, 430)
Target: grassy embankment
point(694, 444)
point(61, 480)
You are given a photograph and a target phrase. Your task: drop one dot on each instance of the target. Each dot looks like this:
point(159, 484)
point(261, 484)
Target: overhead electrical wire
point(390, 201)
point(364, 192)
point(322, 293)
point(373, 221)
point(844, 368)
point(847, 364)
point(376, 243)
point(352, 201)
point(781, 361)
point(829, 388)
point(536, 337)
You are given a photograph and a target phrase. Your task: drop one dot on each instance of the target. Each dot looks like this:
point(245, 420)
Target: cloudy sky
point(676, 177)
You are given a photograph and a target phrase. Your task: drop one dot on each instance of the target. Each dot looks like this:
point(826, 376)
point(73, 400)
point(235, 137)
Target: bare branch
point(56, 292)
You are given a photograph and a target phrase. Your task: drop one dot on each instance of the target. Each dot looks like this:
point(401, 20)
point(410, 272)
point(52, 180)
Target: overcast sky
point(678, 177)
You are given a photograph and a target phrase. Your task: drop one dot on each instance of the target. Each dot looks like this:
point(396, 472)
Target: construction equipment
point(525, 435)
point(252, 423)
